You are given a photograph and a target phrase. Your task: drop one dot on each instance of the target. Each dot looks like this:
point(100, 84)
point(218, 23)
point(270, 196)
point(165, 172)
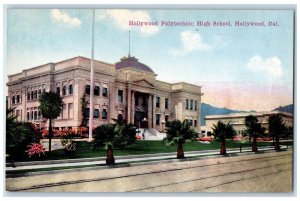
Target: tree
point(83, 103)
point(253, 129)
point(51, 105)
point(223, 131)
point(18, 136)
point(178, 133)
point(276, 128)
point(109, 136)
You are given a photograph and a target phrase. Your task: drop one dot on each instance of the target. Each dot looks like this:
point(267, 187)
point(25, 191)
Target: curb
point(134, 164)
point(49, 162)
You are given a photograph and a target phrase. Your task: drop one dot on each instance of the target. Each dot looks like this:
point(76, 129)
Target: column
point(149, 111)
point(112, 102)
point(129, 105)
point(153, 111)
point(199, 116)
point(132, 106)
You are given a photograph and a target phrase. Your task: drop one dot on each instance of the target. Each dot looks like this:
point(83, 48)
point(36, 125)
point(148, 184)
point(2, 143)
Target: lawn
point(141, 147)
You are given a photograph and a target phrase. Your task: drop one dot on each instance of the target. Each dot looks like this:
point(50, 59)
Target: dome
point(132, 62)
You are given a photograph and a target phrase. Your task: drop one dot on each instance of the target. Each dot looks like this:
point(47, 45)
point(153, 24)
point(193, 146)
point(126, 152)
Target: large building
point(238, 120)
point(128, 88)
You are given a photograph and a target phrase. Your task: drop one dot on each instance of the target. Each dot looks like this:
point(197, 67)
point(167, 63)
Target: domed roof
point(132, 62)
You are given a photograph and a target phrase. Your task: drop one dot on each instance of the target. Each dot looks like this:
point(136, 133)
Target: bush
point(69, 146)
point(35, 149)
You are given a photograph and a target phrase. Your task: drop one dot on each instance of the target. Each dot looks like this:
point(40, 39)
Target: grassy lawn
point(141, 147)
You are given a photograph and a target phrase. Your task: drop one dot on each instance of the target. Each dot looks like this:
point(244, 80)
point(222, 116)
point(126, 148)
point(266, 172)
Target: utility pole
point(92, 83)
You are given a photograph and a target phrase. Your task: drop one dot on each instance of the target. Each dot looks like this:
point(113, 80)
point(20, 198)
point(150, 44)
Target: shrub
point(69, 146)
point(35, 149)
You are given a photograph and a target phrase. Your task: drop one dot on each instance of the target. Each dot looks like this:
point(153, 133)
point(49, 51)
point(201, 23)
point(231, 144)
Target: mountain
point(207, 109)
point(287, 108)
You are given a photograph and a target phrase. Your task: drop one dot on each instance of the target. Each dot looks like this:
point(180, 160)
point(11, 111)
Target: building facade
point(128, 88)
point(238, 120)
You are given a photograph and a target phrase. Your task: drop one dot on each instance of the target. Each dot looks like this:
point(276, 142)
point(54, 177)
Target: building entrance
point(141, 110)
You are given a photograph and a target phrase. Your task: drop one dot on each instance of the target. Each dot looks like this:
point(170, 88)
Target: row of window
point(157, 120)
point(96, 90)
point(34, 95)
point(16, 99)
point(34, 115)
point(189, 105)
point(65, 90)
point(158, 102)
point(96, 113)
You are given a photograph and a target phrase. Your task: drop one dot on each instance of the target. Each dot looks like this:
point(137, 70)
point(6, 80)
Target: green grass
point(140, 147)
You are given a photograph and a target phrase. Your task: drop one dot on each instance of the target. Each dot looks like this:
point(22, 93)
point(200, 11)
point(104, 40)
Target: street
point(265, 172)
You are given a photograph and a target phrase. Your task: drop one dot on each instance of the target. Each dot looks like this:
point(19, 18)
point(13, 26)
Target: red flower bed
point(209, 139)
point(236, 139)
point(81, 132)
point(138, 137)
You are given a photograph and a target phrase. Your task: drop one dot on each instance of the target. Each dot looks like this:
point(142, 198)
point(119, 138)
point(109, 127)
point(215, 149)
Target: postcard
point(149, 100)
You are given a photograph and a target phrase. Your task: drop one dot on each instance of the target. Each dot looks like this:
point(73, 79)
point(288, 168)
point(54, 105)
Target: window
point(13, 100)
point(96, 91)
point(31, 95)
point(104, 92)
point(195, 123)
point(96, 113)
point(166, 118)
point(58, 90)
point(157, 101)
point(87, 89)
point(18, 98)
point(191, 122)
point(191, 105)
point(196, 105)
point(28, 116)
point(120, 96)
point(64, 90)
point(35, 115)
point(31, 115)
point(35, 94)
point(104, 114)
point(40, 92)
point(44, 90)
point(157, 119)
point(39, 115)
point(71, 89)
point(166, 103)
point(28, 96)
point(187, 104)
point(87, 112)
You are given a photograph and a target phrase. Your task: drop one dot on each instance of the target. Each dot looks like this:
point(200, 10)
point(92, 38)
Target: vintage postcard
point(149, 100)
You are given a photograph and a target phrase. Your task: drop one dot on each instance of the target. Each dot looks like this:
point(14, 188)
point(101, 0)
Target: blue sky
point(238, 67)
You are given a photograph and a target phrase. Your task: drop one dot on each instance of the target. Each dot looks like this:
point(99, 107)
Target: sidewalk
point(119, 159)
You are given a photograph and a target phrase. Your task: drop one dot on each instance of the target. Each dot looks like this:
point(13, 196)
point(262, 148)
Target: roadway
point(265, 172)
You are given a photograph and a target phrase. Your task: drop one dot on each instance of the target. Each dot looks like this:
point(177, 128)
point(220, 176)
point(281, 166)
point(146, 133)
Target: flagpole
point(92, 83)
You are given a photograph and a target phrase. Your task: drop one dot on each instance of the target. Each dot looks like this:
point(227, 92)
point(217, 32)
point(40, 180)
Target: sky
point(238, 67)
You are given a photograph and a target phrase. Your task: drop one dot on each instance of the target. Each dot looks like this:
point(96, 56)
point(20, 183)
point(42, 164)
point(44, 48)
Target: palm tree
point(253, 129)
point(223, 131)
point(18, 136)
point(51, 105)
point(276, 128)
point(178, 133)
point(109, 136)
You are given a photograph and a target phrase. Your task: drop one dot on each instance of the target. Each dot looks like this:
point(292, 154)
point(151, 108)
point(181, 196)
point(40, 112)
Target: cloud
point(270, 65)
point(191, 42)
point(61, 17)
point(121, 18)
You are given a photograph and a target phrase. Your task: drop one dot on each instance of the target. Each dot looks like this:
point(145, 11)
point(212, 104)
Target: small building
point(238, 120)
point(127, 88)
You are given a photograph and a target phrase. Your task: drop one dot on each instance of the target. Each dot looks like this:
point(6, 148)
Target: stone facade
point(238, 120)
point(128, 88)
